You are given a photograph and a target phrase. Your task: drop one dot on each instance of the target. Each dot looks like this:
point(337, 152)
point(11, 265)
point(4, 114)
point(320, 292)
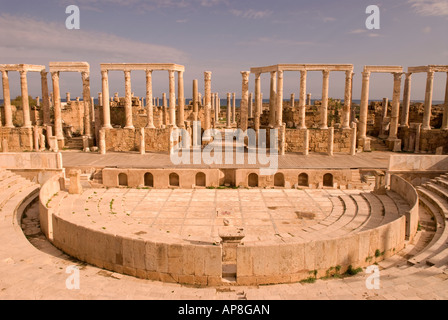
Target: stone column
point(149, 99)
point(385, 105)
point(244, 101)
point(445, 111)
point(7, 100)
point(258, 101)
point(102, 144)
point(208, 99)
point(172, 95)
point(181, 98)
point(306, 142)
point(100, 99)
point(273, 99)
point(45, 99)
point(57, 107)
point(67, 97)
point(279, 104)
point(128, 100)
point(406, 101)
point(302, 100)
point(217, 108)
point(428, 101)
point(353, 139)
point(251, 105)
point(229, 125)
point(347, 100)
point(308, 99)
point(293, 98)
point(362, 130)
point(393, 129)
point(106, 105)
point(213, 108)
point(142, 141)
point(233, 107)
point(87, 104)
point(330, 141)
point(25, 100)
point(324, 106)
point(196, 100)
point(36, 138)
point(164, 109)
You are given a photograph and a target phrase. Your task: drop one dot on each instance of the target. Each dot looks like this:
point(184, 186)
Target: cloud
point(276, 41)
point(145, 5)
point(430, 7)
point(23, 38)
point(427, 30)
point(358, 31)
point(251, 13)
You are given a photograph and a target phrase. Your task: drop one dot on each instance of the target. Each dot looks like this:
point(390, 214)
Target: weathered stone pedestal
point(75, 182)
point(230, 240)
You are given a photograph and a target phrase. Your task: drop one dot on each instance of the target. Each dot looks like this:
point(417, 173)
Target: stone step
point(13, 190)
point(440, 258)
point(351, 210)
point(336, 213)
point(362, 216)
point(441, 182)
point(4, 174)
point(440, 191)
point(377, 212)
point(9, 182)
point(440, 236)
point(390, 208)
point(435, 199)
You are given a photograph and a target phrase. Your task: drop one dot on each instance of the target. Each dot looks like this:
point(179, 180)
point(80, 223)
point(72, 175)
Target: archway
point(253, 180)
point(174, 180)
point(123, 180)
point(328, 180)
point(279, 180)
point(200, 179)
point(149, 180)
point(303, 180)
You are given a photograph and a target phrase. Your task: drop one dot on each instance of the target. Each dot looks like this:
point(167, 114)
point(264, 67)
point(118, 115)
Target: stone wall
point(318, 140)
point(125, 140)
point(342, 178)
point(429, 140)
point(19, 139)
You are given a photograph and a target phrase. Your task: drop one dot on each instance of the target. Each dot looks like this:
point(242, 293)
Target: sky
point(226, 37)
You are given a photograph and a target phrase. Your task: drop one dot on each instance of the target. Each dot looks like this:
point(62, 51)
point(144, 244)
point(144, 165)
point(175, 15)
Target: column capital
point(43, 74)
point(258, 75)
point(55, 75)
point(326, 73)
point(397, 76)
point(23, 73)
point(148, 71)
point(104, 73)
point(280, 74)
point(208, 75)
point(366, 74)
point(273, 74)
point(245, 74)
point(4, 73)
point(431, 74)
point(85, 74)
point(349, 74)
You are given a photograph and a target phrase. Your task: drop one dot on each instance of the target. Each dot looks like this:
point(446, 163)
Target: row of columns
point(426, 125)
point(88, 128)
point(25, 99)
point(149, 99)
point(276, 99)
point(393, 129)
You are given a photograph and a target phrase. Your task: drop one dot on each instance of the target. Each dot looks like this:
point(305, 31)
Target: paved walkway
point(375, 160)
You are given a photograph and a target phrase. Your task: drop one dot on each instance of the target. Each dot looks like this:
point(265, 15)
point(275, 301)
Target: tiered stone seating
point(434, 197)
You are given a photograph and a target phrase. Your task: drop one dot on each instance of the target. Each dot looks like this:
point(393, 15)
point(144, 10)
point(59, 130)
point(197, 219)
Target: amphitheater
point(136, 226)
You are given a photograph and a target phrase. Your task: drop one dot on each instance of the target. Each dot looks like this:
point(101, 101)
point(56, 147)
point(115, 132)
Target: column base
point(150, 127)
point(323, 128)
point(426, 128)
point(129, 127)
point(107, 126)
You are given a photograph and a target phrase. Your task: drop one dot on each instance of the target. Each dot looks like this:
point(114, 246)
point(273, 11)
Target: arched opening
point(149, 180)
point(200, 179)
point(174, 180)
point(303, 180)
point(123, 180)
point(279, 180)
point(252, 180)
point(328, 180)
